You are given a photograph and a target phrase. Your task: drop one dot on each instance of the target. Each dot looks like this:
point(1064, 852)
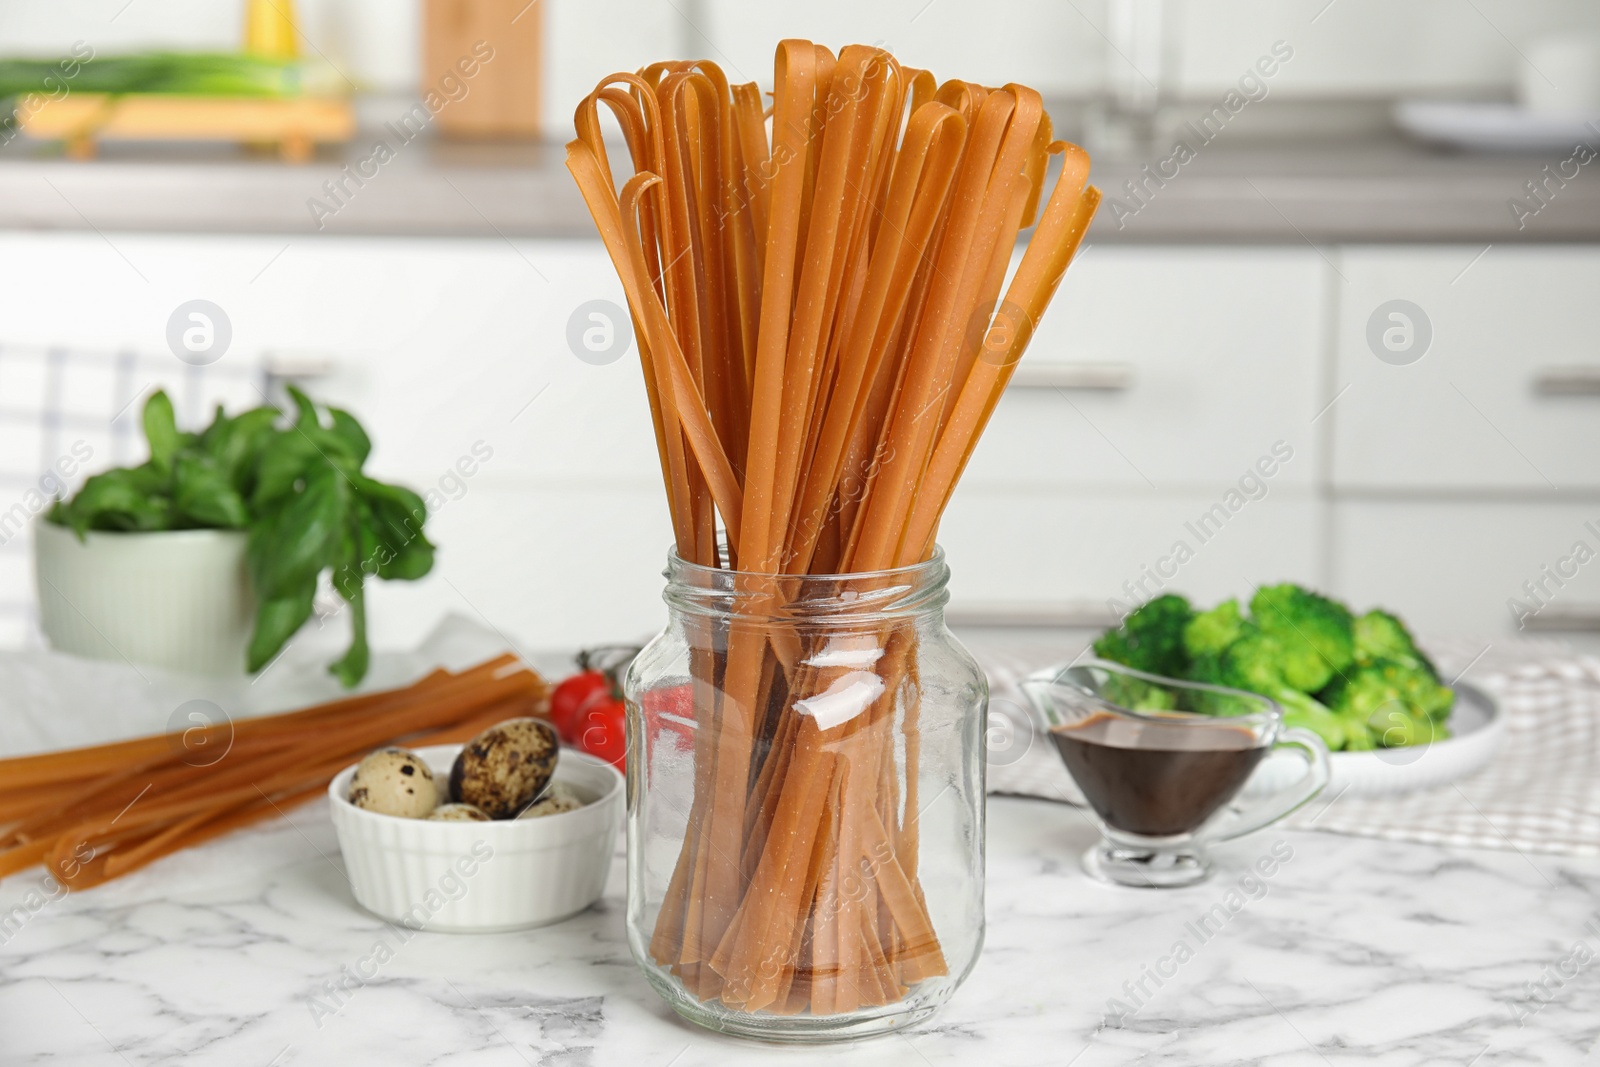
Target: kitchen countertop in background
point(1330, 191)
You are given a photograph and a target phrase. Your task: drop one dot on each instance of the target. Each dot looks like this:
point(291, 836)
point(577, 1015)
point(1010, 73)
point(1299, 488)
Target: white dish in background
point(481, 877)
point(1476, 724)
point(1496, 127)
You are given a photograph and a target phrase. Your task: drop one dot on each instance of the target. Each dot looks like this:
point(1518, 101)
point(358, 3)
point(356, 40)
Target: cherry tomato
point(605, 732)
point(670, 710)
point(568, 701)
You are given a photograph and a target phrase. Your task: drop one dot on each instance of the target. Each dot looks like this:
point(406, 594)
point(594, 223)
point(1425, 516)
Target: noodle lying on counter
point(94, 814)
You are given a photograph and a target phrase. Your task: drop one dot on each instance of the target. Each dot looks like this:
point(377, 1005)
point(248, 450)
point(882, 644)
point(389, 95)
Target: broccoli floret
point(1249, 663)
point(1379, 635)
point(1212, 631)
point(1400, 703)
point(1357, 735)
point(1137, 694)
point(1150, 639)
point(1372, 686)
point(1254, 662)
point(1211, 669)
point(1315, 633)
point(1302, 710)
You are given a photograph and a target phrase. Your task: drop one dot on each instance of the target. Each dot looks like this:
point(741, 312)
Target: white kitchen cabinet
point(1074, 491)
point(1217, 355)
point(1434, 498)
point(1043, 551)
point(1471, 412)
point(1452, 567)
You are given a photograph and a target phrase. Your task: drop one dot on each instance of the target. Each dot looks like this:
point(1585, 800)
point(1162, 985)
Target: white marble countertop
point(1352, 951)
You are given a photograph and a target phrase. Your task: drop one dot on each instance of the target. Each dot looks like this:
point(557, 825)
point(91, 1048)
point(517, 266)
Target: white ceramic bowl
point(478, 877)
point(177, 599)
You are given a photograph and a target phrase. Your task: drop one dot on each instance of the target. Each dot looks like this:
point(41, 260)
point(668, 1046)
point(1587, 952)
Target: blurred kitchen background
point(1312, 345)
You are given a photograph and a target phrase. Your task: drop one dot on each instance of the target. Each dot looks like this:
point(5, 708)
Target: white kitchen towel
point(49, 700)
point(1540, 792)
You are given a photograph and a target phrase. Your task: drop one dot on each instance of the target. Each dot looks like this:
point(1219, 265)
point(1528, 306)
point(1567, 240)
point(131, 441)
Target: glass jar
point(805, 801)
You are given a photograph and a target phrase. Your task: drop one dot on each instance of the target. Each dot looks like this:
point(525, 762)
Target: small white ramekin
point(479, 877)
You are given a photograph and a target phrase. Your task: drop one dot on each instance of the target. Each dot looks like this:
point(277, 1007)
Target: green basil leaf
point(396, 517)
point(302, 537)
point(221, 426)
point(402, 499)
point(347, 429)
point(161, 429)
point(352, 667)
point(203, 494)
point(237, 448)
point(412, 562)
point(277, 620)
point(354, 546)
point(125, 499)
point(285, 460)
point(309, 418)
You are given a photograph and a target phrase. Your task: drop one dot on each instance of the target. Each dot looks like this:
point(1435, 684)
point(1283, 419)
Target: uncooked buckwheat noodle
point(819, 296)
point(94, 814)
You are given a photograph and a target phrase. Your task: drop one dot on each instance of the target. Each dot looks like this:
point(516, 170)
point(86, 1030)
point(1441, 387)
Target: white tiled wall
point(1367, 48)
point(1348, 48)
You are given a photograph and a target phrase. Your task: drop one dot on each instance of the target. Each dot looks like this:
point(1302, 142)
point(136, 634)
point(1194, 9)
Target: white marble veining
point(1351, 951)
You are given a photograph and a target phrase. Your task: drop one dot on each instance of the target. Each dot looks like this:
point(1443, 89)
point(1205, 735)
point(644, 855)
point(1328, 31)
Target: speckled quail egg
point(504, 768)
point(558, 798)
point(457, 813)
point(392, 781)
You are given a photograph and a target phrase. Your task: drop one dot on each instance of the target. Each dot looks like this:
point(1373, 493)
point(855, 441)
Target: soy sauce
point(1156, 779)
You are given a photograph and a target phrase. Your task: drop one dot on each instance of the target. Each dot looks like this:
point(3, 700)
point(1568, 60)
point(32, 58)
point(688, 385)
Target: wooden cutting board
point(481, 60)
point(294, 124)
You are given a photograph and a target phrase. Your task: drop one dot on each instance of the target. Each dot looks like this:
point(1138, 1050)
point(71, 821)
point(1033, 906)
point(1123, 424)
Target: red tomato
point(605, 730)
point(670, 710)
point(569, 699)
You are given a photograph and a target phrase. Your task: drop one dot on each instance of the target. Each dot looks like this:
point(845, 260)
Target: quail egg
point(558, 798)
point(392, 781)
point(504, 768)
point(457, 813)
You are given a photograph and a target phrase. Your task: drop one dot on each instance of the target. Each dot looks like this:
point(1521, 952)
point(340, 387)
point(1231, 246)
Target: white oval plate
point(1476, 723)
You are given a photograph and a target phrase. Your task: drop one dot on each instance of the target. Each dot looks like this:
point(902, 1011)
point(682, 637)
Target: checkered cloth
point(1539, 793)
point(74, 412)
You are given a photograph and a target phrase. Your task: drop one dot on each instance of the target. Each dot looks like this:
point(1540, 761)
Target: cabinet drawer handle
point(1064, 616)
point(1558, 619)
point(1578, 380)
point(1098, 377)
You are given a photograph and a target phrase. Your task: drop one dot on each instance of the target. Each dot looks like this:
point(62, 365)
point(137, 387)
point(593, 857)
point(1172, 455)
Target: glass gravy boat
point(1160, 760)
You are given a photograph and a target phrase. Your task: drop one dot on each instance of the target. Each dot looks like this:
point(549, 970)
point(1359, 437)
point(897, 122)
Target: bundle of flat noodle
point(821, 301)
